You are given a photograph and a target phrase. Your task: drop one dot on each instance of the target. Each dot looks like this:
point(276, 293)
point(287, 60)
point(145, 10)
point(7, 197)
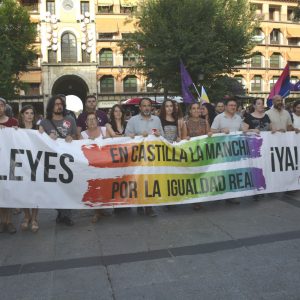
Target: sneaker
point(11, 228)
point(2, 227)
point(149, 211)
point(233, 201)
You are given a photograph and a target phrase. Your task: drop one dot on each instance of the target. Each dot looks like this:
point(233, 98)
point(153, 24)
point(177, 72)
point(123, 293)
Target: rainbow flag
point(282, 86)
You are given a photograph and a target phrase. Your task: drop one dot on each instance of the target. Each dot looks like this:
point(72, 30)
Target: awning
point(129, 3)
point(107, 26)
point(32, 77)
point(128, 26)
point(294, 56)
point(293, 32)
point(105, 2)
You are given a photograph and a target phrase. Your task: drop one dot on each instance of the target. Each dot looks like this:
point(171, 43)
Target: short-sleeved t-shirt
point(170, 130)
point(101, 116)
point(280, 119)
point(66, 126)
point(138, 125)
point(296, 121)
point(263, 124)
point(222, 121)
point(10, 122)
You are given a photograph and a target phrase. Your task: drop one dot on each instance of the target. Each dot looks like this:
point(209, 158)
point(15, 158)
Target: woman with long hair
point(196, 126)
point(27, 120)
point(208, 112)
point(116, 126)
point(169, 121)
point(257, 121)
point(93, 131)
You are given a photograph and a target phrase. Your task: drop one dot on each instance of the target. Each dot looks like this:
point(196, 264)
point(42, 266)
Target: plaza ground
point(223, 251)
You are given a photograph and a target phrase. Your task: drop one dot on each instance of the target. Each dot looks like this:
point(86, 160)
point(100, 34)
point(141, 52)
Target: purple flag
point(186, 84)
point(295, 87)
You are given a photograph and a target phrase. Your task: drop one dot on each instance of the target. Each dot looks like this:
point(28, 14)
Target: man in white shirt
point(229, 120)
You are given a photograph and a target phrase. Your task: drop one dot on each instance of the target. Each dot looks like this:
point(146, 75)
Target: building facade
point(79, 53)
point(278, 43)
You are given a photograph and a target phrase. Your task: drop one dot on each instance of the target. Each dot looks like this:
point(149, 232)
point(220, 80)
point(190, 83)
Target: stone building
point(78, 51)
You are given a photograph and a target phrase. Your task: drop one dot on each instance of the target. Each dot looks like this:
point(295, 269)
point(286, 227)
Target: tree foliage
point(225, 85)
point(210, 36)
point(17, 35)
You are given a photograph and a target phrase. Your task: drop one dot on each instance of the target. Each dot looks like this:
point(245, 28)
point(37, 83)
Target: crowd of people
point(167, 121)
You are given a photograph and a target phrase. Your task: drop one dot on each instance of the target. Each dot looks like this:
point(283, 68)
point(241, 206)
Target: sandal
point(25, 224)
point(34, 226)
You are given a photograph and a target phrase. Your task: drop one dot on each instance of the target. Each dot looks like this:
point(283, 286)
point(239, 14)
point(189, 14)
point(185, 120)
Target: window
point(32, 89)
point(30, 5)
point(275, 36)
point(107, 84)
point(84, 7)
point(256, 84)
point(105, 36)
point(52, 58)
point(68, 48)
point(106, 57)
point(239, 79)
point(105, 9)
point(294, 64)
point(50, 6)
point(271, 14)
point(127, 36)
point(294, 41)
point(86, 57)
point(275, 60)
point(273, 81)
point(128, 9)
point(129, 59)
point(290, 14)
point(256, 60)
point(258, 36)
point(130, 84)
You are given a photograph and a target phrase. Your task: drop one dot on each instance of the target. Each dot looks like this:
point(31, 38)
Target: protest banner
point(36, 171)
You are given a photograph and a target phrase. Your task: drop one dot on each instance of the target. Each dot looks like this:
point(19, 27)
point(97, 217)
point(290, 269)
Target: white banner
point(36, 171)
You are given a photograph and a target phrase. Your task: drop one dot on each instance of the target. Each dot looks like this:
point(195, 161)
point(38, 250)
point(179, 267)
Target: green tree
point(17, 35)
point(224, 85)
point(210, 36)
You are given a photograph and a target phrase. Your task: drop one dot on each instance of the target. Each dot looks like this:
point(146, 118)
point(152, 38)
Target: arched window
point(68, 48)
point(256, 60)
point(273, 80)
point(240, 79)
point(129, 59)
point(256, 84)
point(106, 57)
point(130, 84)
point(275, 60)
point(107, 84)
point(275, 36)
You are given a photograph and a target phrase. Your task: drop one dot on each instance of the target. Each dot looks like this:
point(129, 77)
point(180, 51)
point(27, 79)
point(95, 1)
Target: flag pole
point(196, 90)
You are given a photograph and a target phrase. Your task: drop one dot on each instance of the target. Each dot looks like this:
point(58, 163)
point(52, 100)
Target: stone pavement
point(224, 251)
